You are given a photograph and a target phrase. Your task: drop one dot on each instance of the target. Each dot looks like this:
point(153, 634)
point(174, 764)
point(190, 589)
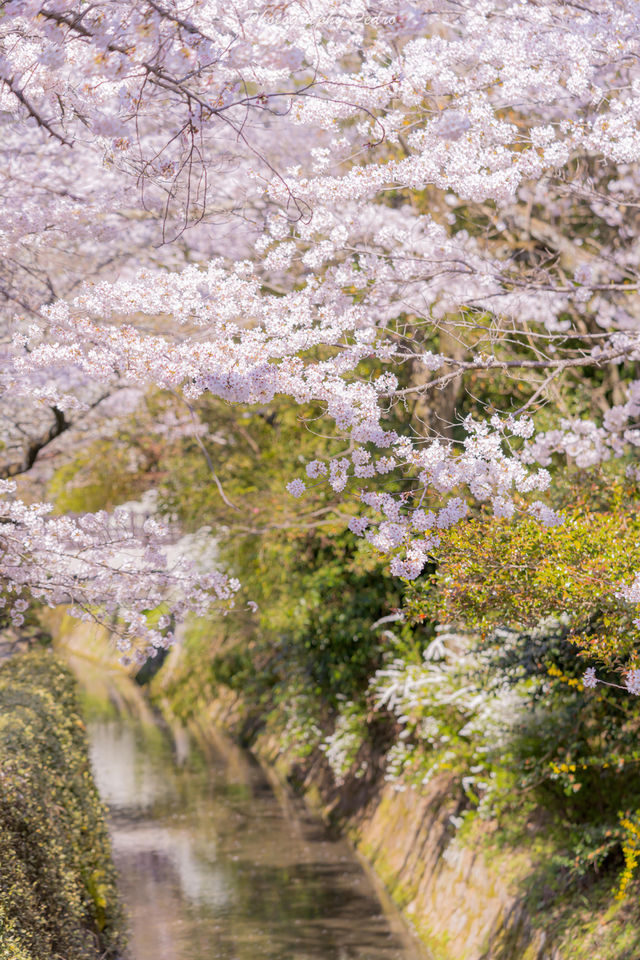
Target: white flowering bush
point(301, 733)
point(453, 716)
point(341, 747)
point(424, 698)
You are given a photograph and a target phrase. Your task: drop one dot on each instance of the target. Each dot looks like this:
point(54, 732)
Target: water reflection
point(214, 866)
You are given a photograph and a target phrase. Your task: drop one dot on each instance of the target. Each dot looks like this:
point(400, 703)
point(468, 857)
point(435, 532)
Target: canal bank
point(214, 862)
point(467, 899)
point(460, 905)
point(210, 849)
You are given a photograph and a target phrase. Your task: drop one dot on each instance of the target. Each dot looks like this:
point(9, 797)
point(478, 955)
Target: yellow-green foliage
point(517, 573)
point(57, 889)
point(630, 851)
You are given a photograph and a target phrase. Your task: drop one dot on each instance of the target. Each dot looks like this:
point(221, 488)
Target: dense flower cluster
point(101, 562)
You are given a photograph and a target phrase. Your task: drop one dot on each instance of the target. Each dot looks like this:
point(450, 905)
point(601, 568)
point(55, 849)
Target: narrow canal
point(214, 865)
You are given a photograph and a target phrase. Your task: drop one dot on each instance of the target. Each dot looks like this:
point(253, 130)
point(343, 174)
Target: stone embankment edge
point(457, 904)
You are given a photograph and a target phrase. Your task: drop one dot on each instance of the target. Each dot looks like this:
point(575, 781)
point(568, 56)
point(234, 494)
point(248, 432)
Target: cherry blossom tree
point(255, 199)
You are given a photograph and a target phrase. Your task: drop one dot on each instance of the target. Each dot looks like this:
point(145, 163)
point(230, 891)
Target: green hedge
point(57, 886)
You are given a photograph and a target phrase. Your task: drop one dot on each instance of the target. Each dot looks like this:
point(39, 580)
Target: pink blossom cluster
point(308, 202)
point(110, 568)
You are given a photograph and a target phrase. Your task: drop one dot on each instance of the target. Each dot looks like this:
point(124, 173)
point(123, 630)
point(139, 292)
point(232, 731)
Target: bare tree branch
point(31, 110)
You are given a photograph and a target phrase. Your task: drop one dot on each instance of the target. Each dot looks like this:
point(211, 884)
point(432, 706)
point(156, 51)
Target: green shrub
point(57, 886)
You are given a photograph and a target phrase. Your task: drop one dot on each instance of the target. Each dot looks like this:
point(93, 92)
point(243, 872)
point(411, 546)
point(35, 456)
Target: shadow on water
point(214, 866)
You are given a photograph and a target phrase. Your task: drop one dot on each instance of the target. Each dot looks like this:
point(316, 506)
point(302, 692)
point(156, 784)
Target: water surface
point(214, 866)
